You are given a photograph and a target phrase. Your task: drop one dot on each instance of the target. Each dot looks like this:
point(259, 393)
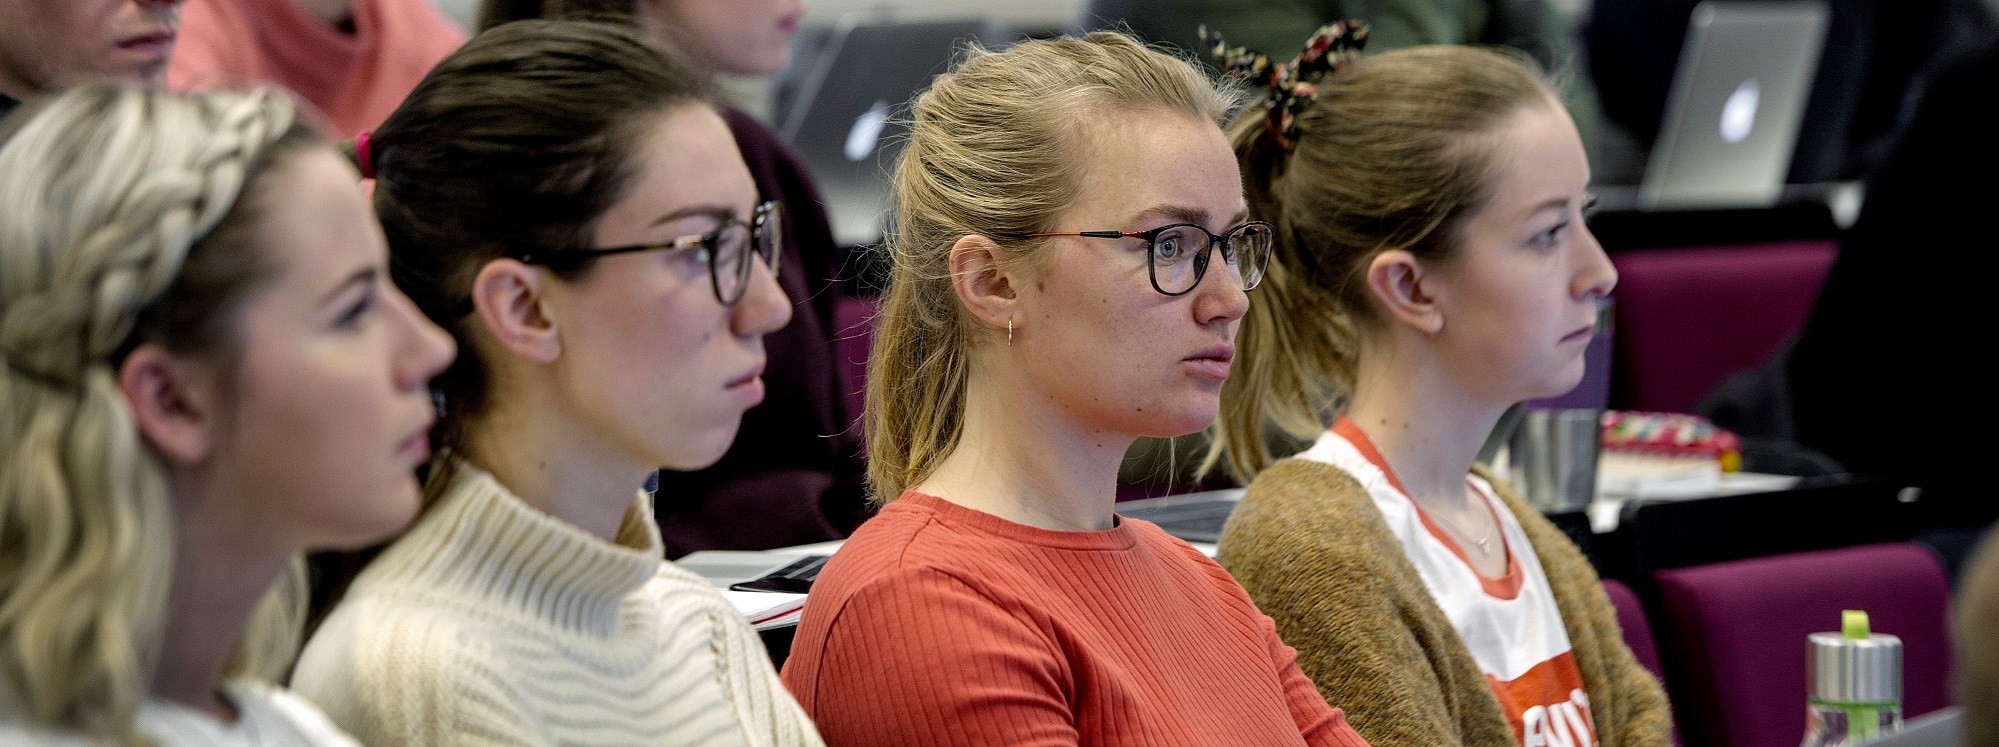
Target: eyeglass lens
point(738, 242)
point(1180, 255)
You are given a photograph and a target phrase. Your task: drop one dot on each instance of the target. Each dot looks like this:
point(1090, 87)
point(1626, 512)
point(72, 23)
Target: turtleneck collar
point(481, 541)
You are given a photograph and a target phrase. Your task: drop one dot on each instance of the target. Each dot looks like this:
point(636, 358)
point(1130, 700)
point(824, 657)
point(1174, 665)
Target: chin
point(374, 524)
point(1180, 421)
point(1556, 387)
point(695, 454)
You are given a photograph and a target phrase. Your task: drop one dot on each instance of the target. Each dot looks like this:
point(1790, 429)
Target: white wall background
point(1030, 14)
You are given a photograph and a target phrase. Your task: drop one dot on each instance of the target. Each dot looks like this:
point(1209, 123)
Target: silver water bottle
point(1856, 685)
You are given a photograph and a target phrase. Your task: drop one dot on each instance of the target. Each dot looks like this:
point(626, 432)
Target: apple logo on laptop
point(1738, 114)
point(867, 131)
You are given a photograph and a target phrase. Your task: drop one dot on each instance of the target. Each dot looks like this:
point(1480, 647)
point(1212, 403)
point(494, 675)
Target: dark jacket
point(1882, 377)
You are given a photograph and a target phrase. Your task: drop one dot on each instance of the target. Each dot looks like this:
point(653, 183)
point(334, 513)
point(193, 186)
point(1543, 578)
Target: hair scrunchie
point(1290, 87)
point(364, 152)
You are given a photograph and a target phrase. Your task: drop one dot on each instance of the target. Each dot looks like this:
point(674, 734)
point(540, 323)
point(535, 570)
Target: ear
point(981, 277)
point(173, 403)
point(509, 297)
point(1398, 281)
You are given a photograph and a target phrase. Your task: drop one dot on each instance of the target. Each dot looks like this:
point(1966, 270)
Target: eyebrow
point(1556, 203)
point(1184, 214)
point(718, 212)
point(363, 276)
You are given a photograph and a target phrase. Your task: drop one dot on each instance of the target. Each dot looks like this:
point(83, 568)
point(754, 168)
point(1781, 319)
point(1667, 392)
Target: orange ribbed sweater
point(940, 625)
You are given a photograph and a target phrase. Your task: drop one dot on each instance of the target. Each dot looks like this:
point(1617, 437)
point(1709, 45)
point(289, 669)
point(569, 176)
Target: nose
point(426, 348)
point(1595, 276)
point(1219, 295)
point(764, 308)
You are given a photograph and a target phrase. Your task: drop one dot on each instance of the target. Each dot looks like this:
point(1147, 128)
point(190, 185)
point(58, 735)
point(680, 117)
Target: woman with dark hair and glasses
point(568, 203)
point(1070, 265)
point(796, 463)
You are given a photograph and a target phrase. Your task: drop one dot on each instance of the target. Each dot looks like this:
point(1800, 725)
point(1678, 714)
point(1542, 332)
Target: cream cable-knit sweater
point(490, 622)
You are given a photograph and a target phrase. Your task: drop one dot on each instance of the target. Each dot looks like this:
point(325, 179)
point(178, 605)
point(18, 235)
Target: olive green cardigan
point(1316, 555)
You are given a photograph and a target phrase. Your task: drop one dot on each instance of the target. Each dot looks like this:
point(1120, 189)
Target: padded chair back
point(1735, 635)
point(1637, 629)
point(854, 317)
point(1687, 318)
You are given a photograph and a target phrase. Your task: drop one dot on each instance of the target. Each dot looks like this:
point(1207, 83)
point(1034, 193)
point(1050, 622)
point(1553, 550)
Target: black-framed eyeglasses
point(1179, 253)
point(727, 250)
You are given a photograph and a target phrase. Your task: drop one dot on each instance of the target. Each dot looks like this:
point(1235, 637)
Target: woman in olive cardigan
point(1431, 270)
point(1318, 558)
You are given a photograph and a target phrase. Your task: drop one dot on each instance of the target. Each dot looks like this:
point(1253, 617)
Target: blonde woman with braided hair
point(207, 372)
point(1071, 265)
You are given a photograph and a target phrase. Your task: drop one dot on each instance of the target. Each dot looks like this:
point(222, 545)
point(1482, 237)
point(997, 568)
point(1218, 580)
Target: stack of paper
point(767, 609)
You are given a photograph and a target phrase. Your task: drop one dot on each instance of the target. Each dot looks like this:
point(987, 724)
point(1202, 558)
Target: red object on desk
point(1687, 318)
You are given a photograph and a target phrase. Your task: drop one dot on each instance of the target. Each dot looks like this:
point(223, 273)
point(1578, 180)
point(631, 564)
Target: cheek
point(653, 374)
point(1116, 364)
point(748, 37)
point(317, 447)
point(647, 332)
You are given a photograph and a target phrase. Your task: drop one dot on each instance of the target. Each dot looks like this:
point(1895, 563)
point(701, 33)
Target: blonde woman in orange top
point(1071, 265)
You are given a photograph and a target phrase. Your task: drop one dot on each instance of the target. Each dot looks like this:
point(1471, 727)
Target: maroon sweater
point(794, 474)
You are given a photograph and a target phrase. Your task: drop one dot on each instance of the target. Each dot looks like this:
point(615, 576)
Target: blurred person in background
point(47, 46)
point(354, 60)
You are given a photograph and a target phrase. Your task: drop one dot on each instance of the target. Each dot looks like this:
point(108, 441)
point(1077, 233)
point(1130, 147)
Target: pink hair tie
point(364, 151)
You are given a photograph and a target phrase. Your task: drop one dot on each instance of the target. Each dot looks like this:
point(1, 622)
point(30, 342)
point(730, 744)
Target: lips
point(1220, 351)
point(418, 444)
point(1212, 362)
point(747, 378)
point(147, 41)
point(148, 49)
point(1580, 334)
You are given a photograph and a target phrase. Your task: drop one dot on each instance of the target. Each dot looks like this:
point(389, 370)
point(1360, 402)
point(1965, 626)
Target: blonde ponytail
point(990, 153)
point(1394, 153)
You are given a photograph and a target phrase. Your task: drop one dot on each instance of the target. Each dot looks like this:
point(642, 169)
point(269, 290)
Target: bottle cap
point(1855, 665)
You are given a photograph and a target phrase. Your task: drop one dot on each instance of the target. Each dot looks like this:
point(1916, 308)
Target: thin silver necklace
point(1484, 543)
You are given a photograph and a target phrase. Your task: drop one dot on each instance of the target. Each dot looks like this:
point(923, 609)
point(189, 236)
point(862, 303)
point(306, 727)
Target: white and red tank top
point(1511, 624)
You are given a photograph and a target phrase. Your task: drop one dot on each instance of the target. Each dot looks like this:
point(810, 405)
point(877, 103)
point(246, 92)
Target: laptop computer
point(847, 118)
point(1943, 728)
point(1737, 100)
point(1194, 517)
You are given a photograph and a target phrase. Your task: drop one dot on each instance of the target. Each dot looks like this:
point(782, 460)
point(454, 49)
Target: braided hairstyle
point(127, 219)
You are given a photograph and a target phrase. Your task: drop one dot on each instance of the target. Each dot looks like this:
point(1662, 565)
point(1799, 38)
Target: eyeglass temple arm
point(1093, 234)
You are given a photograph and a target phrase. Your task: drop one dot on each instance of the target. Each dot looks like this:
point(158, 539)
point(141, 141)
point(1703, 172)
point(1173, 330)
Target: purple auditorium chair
point(854, 317)
point(1687, 318)
point(1735, 632)
point(1637, 630)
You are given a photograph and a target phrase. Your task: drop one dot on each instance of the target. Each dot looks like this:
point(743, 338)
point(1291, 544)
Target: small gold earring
point(1009, 332)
